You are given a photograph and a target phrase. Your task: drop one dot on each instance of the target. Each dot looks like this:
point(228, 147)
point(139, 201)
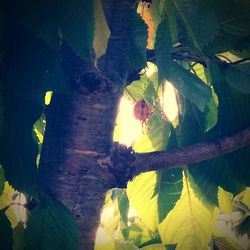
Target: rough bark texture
point(78, 134)
point(191, 154)
point(79, 129)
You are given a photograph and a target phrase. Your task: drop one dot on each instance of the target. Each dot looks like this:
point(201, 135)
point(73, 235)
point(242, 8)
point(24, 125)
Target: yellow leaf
point(189, 224)
point(244, 197)
point(141, 191)
point(15, 201)
point(225, 200)
point(102, 31)
point(6, 197)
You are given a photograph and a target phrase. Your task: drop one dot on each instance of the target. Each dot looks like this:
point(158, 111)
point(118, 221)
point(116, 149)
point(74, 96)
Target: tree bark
point(189, 155)
point(78, 134)
point(79, 129)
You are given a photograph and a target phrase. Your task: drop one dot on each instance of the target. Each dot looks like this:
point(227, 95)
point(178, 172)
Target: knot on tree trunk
point(89, 82)
point(121, 158)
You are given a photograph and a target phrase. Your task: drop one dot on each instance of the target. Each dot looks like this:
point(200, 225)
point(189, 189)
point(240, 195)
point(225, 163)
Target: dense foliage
point(203, 49)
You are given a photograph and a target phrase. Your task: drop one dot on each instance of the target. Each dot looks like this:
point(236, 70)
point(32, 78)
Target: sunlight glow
point(108, 214)
point(102, 236)
point(129, 128)
point(169, 101)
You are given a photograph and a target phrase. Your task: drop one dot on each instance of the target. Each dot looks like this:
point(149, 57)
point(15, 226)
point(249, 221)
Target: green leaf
point(154, 194)
point(123, 205)
point(187, 83)
point(102, 31)
point(132, 232)
point(5, 232)
point(137, 41)
point(20, 151)
point(238, 76)
point(163, 46)
point(18, 237)
point(213, 173)
point(230, 171)
point(122, 202)
point(189, 224)
point(35, 67)
point(199, 20)
point(234, 21)
point(233, 16)
point(51, 226)
point(209, 117)
point(195, 90)
point(74, 21)
point(168, 188)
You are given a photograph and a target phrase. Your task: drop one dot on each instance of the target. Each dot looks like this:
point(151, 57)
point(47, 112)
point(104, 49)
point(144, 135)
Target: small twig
point(179, 54)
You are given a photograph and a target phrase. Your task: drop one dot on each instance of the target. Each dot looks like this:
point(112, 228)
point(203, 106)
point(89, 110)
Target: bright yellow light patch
point(102, 236)
point(47, 97)
point(169, 101)
point(128, 128)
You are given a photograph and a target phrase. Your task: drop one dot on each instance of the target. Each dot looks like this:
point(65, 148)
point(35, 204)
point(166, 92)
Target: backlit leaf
point(244, 196)
point(189, 224)
point(208, 119)
point(102, 32)
point(187, 83)
point(154, 194)
point(141, 197)
point(225, 200)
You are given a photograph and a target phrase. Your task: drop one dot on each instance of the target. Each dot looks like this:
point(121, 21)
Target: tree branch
point(191, 154)
point(178, 53)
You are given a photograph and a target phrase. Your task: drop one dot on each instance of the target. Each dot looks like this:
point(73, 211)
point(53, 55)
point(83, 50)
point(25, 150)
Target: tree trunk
point(78, 134)
point(79, 129)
